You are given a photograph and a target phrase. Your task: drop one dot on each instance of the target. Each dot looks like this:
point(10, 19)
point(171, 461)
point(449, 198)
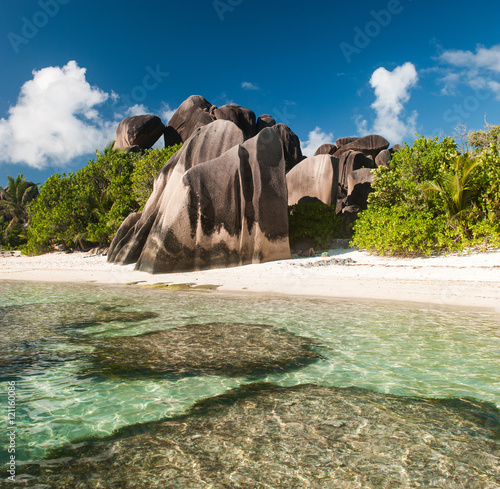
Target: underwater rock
point(32, 344)
point(228, 349)
point(264, 436)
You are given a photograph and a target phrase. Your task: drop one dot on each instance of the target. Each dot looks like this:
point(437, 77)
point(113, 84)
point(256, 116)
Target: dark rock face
point(206, 143)
point(359, 186)
point(227, 349)
point(262, 435)
point(350, 214)
point(265, 120)
point(370, 145)
point(291, 146)
point(228, 211)
point(315, 177)
point(140, 130)
point(383, 158)
point(326, 149)
point(242, 117)
point(193, 113)
point(350, 161)
point(171, 137)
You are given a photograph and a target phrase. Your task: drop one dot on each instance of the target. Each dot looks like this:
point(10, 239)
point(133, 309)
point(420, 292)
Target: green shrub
point(87, 207)
point(316, 221)
point(146, 170)
point(433, 199)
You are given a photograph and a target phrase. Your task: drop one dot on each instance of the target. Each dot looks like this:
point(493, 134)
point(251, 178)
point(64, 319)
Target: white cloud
point(249, 86)
point(137, 109)
point(392, 92)
point(315, 140)
point(478, 70)
point(483, 58)
point(166, 112)
point(54, 119)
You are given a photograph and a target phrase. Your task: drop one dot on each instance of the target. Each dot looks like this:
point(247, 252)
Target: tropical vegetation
point(14, 200)
point(435, 198)
point(85, 208)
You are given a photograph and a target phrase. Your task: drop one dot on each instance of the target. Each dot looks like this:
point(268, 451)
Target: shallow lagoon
point(405, 350)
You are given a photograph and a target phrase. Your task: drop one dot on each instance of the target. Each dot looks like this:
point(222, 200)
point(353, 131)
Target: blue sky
point(72, 69)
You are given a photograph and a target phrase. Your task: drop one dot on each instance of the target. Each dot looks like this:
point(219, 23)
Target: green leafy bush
point(433, 199)
point(86, 208)
point(146, 170)
point(314, 220)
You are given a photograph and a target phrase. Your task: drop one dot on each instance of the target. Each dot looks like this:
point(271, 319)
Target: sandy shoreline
point(469, 280)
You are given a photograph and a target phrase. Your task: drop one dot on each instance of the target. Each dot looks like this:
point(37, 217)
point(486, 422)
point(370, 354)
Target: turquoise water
point(48, 330)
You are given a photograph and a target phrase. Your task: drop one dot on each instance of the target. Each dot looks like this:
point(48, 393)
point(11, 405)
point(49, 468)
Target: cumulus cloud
point(478, 69)
point(249, 86)
point(392, 92)
point(166, 112)
point(55, 119)
point(137, 109)
point(316, 138)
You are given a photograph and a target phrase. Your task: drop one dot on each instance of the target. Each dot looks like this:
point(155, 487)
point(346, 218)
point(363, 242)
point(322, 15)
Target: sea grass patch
point(264, 436)
point(227, 349)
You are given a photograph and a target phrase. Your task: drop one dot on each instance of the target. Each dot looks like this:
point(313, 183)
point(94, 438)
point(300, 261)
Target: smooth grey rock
point(370, 145)
point(326, 149)
point(228, 211)
point(343, 141)
point(207, 143)
point(383, 158)
point(192, 114)
point(244, 118)
point(140, 130)
point(315, 177)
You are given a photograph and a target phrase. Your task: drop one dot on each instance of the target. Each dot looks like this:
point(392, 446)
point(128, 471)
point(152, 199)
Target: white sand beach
point(467, 279)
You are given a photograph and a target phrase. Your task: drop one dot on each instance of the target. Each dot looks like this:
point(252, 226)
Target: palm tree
point(454, 186)
point(14, 200)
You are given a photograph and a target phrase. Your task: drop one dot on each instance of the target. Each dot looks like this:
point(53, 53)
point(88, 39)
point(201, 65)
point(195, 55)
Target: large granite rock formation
point(196, 112)
point(208, 142)
point(265, 120)
point(359, 186)
point(242, 117)
point(370, 145)
point(326, 149)
point(193, 113)
point(138, 130)
point(291, 146)
point(226, 210)
point(383, 158)
point(315, 177)
point(351, 161)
